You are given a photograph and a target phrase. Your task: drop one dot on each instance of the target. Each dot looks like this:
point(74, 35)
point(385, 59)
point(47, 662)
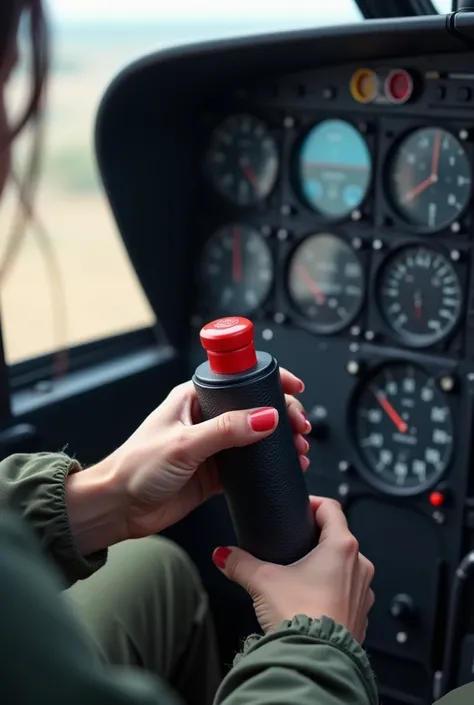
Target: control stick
point(263, 483)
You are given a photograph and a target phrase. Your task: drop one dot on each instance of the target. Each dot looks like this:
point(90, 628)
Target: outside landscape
point(99, 293)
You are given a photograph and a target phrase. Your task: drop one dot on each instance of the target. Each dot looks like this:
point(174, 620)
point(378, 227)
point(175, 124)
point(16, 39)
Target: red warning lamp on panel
point(436, 499)
point(398, 86)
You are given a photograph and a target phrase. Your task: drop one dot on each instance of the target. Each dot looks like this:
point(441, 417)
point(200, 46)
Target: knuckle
point(349, 545)
point(179, 448)
point(225, 425)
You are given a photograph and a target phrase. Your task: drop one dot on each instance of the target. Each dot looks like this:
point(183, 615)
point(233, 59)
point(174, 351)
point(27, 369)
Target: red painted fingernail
point(263, 420)
point(220, 557)
point(306, 445)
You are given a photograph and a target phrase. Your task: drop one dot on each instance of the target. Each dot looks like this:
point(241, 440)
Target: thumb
point(232, 429)
point(237, 565)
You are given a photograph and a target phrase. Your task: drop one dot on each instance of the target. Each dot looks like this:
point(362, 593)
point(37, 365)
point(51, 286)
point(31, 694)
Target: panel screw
point(438, 517)
point(377, 244)
point(353, 367)
point(455, 227)
point(356, 215)
point(463, 135)
point(343, 490)
point(282, 235)
point(286, 209)
point(354, 347)
point(369, 336)
point(289, 122)
point(267, 334)
point(402, 637)
point(455, 255)
point(279, 318)
point(344, 466)
point(356, 243)
point(355, 331)
point(447, 383)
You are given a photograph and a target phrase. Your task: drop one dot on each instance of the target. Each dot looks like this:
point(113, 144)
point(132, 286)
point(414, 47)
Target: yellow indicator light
point(364, 85)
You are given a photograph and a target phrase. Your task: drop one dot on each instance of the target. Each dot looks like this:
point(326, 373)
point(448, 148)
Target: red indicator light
point(399, 86)
point(436, 499)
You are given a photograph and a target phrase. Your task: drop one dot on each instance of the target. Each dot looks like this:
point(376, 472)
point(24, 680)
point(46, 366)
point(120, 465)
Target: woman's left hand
point(166, 468)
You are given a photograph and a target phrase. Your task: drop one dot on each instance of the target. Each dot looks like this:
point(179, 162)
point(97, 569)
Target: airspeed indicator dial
point(403, 430)
point(420, 295)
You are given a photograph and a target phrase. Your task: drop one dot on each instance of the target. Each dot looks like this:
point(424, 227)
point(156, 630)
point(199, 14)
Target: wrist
point(96, 508)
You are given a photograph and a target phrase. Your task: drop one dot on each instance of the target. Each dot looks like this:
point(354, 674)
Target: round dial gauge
point(420, 295)
point(236, 270)
point(404, 430)
point(243, 160)
point(334, 168)
point(326, 282)
point(430, 178)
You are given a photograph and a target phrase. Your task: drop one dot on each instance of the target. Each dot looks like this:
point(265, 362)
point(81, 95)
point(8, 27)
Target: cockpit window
point(443, 6)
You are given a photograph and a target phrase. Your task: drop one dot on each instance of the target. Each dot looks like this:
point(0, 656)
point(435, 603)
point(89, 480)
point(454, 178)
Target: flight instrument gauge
point(334, 168)
point(420, 295)
point(326, 282)
point(430, 178)
point(242, 160)
point(403, 430)
point(236, 271)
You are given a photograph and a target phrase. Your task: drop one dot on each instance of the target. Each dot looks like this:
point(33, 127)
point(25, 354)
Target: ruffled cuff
point(35, 486)
point(323, 630)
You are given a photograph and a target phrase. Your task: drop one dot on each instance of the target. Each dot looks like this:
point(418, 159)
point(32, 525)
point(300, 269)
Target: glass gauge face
point(404, 430)
point(243, 160)
point(236, 270)
point(334, 168)
point(326, 282)
point(420, 295)
point(430, 178)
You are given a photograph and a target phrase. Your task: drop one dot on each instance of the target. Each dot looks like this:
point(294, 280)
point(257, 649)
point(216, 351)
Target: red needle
point(433, 177)
point(391, 413)
point(311, 284)
point(411, 195)
point(250, 174)
point(418, 306)
point(237, 257)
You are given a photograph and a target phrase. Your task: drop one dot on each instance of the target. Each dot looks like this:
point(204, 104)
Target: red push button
point(229, 345)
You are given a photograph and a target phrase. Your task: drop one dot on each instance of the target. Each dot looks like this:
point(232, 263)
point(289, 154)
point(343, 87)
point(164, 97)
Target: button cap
point(402, 607)
point(229, 343)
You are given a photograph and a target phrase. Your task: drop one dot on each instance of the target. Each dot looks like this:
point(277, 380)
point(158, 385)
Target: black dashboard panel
point(321, 184)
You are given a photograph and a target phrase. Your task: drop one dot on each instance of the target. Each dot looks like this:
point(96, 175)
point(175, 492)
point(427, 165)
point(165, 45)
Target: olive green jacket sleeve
point(304, 662)
point(461, 696)
point(33, 486)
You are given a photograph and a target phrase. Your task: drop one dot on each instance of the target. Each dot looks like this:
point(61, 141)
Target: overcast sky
point(140, 10)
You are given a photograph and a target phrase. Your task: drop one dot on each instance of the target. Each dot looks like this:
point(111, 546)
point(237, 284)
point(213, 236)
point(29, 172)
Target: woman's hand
point(166, 468)
point(332, 581)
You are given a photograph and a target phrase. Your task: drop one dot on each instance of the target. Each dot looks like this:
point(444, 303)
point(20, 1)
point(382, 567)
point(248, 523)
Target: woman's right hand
point(332, 581)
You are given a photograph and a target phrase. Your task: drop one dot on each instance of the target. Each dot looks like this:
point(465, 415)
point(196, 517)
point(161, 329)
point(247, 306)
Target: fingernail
point(220, 557)
point(302, 387)
point(306, 446)
point(304, 462)
point(308, 428)
point(263, 420)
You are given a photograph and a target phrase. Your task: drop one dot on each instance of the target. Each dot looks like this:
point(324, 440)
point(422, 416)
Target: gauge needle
point(418, 305)
point(311, 284)
point(236, 257)
point(390, 411)
point(433, 177)
point(249, 173)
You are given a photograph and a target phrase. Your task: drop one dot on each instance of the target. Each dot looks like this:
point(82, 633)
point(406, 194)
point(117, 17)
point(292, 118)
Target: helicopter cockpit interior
point(319, 182)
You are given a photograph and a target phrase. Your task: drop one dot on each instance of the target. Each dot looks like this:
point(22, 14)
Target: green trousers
point(146, 608)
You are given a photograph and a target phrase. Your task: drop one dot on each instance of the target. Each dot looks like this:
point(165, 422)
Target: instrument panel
point(350, 223)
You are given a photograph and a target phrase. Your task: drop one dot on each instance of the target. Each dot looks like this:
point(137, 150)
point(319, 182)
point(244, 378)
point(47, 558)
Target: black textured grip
point(263, 483)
